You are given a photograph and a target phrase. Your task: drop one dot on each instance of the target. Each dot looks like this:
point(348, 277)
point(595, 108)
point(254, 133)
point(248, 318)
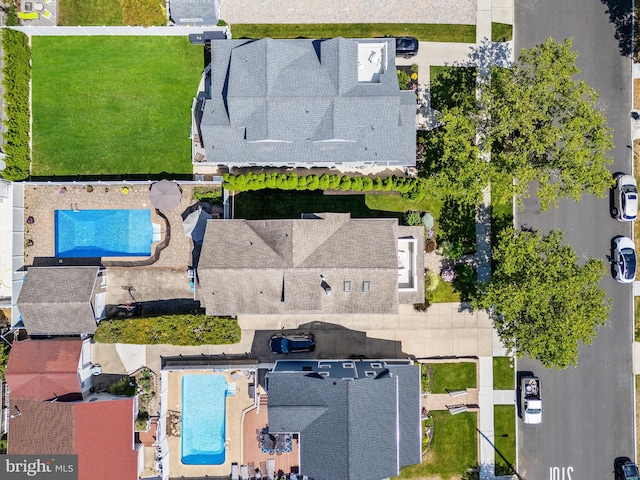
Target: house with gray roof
point(356, 419)
point(305, 103)
point(194, 12)
point(321, 263)
point(62, 300)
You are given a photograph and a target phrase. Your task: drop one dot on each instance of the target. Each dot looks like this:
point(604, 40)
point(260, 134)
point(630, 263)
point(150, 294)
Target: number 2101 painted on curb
point(560, 473)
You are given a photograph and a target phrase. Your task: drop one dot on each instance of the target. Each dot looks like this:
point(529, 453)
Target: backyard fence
point(122, 31)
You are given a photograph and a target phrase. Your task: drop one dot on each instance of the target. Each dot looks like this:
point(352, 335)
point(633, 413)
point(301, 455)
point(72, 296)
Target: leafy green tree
point(4, 357)
point(544, 302)
point(539, 123)
point(545, 126)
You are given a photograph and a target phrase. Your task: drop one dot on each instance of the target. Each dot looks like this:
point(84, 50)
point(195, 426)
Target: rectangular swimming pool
point(203, 419)
point(103, 233)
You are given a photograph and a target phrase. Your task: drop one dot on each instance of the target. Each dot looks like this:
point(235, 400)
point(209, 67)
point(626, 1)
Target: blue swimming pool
point(203, 419)
point(103, 233)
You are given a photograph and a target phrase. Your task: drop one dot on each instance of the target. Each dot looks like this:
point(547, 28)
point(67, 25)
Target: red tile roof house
point(51, 413)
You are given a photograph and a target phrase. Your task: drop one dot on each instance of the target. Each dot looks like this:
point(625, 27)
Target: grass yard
point(95, 12)
point(267, 203)
point(453, 449)
point(111, 12)
point(501, 210)
point(503, 373)
point(445, 292)
point(424, 32)
point(504, 424)
point(501, 32)
point(115, 106)
point(452, 376)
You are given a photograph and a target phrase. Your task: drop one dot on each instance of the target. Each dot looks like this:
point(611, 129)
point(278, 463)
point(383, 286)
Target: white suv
point(625, 198)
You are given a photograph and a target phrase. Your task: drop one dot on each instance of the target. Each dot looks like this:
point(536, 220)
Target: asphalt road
point(588, 411)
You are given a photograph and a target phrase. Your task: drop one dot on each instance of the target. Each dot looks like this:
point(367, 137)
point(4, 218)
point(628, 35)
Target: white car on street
point(623, 259)
point(625, 198)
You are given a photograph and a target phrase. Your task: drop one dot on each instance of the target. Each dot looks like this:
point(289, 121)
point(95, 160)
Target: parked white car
point(625, 198)
point(624, 259)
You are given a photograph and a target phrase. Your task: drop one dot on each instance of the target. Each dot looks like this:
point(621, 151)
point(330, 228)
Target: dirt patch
point(174, 423)
point(636, 93)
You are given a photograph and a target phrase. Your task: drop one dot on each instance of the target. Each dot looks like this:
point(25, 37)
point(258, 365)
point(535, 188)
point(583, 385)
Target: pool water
point(103, 233)
point(203, 419)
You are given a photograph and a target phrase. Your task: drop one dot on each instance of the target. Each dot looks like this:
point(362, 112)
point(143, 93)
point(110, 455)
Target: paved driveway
point(350, 11)
point(445, 330)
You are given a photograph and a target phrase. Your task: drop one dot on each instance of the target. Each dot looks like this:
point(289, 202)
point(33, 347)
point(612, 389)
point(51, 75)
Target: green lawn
point(445, 292)
point(95, 12)
point(501, 32)
point(501, 209)
point(503, 373)
point(504, 424)
point(113, 105)
point(452, 376)
point(267, 203)
point(424, 32)
point(453, 449)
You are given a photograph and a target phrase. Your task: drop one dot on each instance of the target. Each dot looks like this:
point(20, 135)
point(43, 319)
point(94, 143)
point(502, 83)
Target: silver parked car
point(624, 259)
point(625, 198)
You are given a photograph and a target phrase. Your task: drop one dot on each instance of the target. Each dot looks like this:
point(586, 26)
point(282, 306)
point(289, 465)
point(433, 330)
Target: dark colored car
point(406, 47)
point(626, 469)
point(292, 343)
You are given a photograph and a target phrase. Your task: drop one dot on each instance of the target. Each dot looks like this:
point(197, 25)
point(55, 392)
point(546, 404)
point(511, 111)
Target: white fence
point(173, 31)
point(17, 249)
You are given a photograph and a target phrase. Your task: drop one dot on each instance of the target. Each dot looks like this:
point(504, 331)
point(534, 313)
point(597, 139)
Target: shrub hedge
point(170, 329)
point(410, 188)
point(17, 73)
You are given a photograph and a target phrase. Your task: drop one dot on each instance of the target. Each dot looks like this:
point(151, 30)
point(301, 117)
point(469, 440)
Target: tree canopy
point(538, 122)
point(544, 303)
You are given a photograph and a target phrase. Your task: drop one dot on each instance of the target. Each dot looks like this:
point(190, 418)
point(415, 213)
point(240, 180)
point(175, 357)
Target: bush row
point(16, 73)
point(410, 188)
point(170, 329)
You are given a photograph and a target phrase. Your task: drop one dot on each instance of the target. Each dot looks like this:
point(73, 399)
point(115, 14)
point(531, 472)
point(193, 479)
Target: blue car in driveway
point(292, 343)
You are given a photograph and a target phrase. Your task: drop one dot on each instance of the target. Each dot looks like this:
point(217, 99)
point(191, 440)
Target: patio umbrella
point(194, 225)
point(165, 195)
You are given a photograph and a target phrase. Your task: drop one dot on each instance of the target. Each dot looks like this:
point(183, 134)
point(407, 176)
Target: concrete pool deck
point(164, 279)
point(42, 200)
point(236, 406)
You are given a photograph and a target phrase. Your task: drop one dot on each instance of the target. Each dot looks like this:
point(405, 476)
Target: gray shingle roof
point(57, 300)
point(275, 266)
point(349, 428)
point(194, 12)
point(276, 102)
